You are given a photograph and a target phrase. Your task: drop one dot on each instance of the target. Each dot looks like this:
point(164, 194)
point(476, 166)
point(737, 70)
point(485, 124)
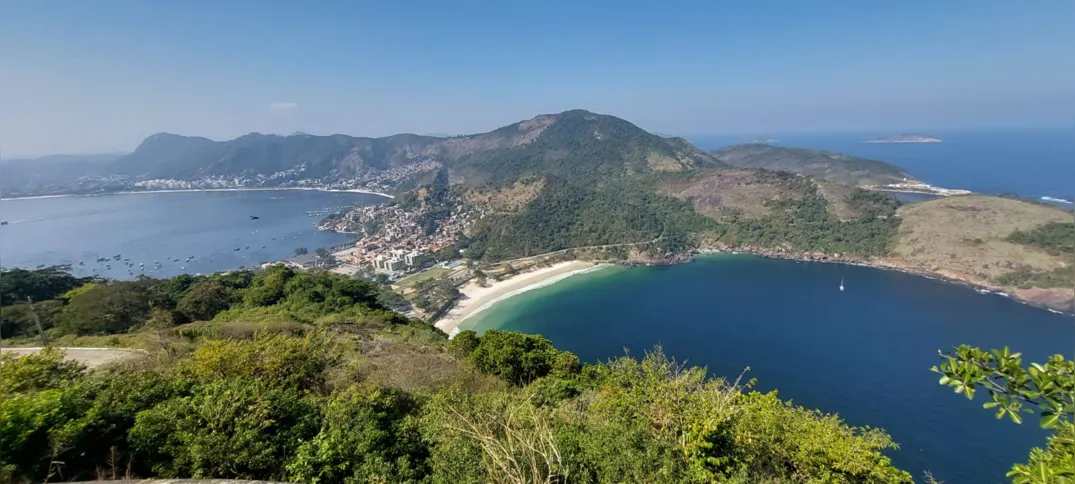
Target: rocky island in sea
point(906, 138)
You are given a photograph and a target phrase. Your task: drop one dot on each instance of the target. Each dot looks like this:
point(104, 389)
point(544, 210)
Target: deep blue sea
point(150, 227)
point(864, 353)
point(1029, 163)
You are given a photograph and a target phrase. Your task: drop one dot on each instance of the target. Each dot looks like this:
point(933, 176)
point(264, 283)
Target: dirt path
point(91, 357)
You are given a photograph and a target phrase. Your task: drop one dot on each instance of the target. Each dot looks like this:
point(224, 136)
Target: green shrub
point(367, 435)
point(43, 370)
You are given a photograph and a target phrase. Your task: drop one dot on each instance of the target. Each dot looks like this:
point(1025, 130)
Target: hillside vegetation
point(565, 215)
point(990, 241)
point(304, 377)
point(772, 209)
point(823, 165)
point(578, 146)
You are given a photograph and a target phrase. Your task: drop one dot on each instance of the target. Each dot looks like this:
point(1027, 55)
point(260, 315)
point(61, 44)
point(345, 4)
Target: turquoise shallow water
point(864, 353)
point(148, 227)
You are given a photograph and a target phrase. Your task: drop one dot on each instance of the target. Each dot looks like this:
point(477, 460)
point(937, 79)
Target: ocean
point(1028, 163)
point(150, 227)
point(864, 353)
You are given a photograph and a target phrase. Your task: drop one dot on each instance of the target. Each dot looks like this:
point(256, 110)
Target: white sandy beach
point(476, 299)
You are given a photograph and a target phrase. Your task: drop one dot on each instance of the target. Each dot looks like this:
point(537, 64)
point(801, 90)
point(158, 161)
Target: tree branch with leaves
point(1015, 390)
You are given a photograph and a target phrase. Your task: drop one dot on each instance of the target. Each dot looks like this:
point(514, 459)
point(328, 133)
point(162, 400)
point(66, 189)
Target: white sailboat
point(841, 284)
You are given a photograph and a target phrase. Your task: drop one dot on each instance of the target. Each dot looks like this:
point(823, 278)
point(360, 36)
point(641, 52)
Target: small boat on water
point(841, 284)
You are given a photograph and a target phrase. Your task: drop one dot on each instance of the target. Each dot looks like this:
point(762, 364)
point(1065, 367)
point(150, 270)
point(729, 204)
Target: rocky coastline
point(1032, 297)
point(1039, 298)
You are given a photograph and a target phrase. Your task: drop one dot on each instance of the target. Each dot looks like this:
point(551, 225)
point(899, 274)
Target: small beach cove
point(863, 353)
point(476, 298)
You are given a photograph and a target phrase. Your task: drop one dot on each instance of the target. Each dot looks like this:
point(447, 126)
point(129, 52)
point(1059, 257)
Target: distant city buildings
point(393, 239)
point(366, 179)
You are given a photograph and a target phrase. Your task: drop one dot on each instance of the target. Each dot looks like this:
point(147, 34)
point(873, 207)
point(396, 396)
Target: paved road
point(91, 357)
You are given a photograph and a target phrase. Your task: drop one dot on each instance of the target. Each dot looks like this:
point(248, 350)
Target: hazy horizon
point(694, 138)
point(100, 77)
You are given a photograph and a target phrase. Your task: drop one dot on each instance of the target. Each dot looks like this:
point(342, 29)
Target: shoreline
point(886, 266)
point(477, 299)
point(184, 190)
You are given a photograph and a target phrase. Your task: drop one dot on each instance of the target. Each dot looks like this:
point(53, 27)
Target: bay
point(864, 353)
point(148, 227)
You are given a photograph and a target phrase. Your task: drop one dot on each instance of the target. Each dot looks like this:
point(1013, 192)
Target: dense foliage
point(115, 307)
point(567, 215)
point(16, 285)
point(801, 221)
point(1055, 237)
point(1026, 277)
point(1015, 390)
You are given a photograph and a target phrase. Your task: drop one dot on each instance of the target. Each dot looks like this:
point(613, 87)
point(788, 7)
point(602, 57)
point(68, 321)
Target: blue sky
point(97, 76)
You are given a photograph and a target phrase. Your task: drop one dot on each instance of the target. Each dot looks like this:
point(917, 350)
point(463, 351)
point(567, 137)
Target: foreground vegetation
point(305, 377)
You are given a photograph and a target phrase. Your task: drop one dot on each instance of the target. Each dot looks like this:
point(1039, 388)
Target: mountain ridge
point(826, 165)
point(567, 143)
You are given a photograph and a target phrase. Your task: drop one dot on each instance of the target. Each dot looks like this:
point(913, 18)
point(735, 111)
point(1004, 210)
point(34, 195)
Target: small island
point(906, 138)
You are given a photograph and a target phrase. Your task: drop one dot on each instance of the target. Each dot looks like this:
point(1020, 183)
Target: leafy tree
point(301, 251)
point(367, 435)
point(16, 285)
point(464, 343)
point(172, 290)
point(43, 370)
point(106, 309)
point(17, 319)
point(204, 300)
point(268, 287)
point(322, 253)
point(1014, 390)
point(516, 357)
point(233, 428)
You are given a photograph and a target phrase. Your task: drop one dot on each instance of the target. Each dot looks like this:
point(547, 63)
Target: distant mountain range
point(576, 144)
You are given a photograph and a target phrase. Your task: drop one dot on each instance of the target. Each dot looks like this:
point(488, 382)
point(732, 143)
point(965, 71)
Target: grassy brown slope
point(723, 194)
point(823, 165)
point(964, 238)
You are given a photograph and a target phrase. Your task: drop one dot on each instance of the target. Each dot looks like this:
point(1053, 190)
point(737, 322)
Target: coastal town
point(405, 235)
point(368, 180)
